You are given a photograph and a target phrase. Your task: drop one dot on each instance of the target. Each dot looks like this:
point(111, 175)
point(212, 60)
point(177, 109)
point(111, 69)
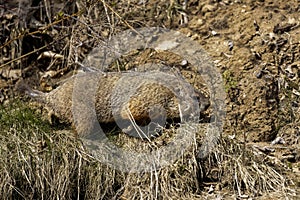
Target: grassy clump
point(21, 117)
point(38, 161)
point(230, 80)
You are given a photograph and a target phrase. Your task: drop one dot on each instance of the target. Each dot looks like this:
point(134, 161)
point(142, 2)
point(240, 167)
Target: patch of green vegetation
point(31, 153)
point(231, 82)
point(19, 116)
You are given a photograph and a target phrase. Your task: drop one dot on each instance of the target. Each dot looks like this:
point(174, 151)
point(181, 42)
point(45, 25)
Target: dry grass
point(39, 162)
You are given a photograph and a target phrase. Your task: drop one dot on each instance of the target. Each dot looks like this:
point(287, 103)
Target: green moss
point(19, 116)
point(231, 82)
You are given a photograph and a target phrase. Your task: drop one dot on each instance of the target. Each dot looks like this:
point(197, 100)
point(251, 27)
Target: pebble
point(208, 8)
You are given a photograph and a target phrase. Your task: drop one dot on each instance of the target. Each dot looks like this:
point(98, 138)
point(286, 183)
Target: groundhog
point(140, 97)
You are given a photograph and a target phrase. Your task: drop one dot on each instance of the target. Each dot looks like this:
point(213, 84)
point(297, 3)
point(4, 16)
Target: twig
point(124, 21)
point(27, 54)
point(41, 30)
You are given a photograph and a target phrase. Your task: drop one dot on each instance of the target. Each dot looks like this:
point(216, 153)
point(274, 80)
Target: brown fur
point(149, 95)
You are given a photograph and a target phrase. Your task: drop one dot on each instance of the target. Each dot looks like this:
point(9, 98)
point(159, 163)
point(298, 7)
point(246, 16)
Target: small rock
point(244, 196)
point(211, 189)
point(231, 136)
point(195, 37)
point(214, 33)
point(278, 140)
point(259, 74)
point(230, 45)
point(208, 8)
point(196, 22)
point(200, 22)
point(184, 63)
point(295, 92)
